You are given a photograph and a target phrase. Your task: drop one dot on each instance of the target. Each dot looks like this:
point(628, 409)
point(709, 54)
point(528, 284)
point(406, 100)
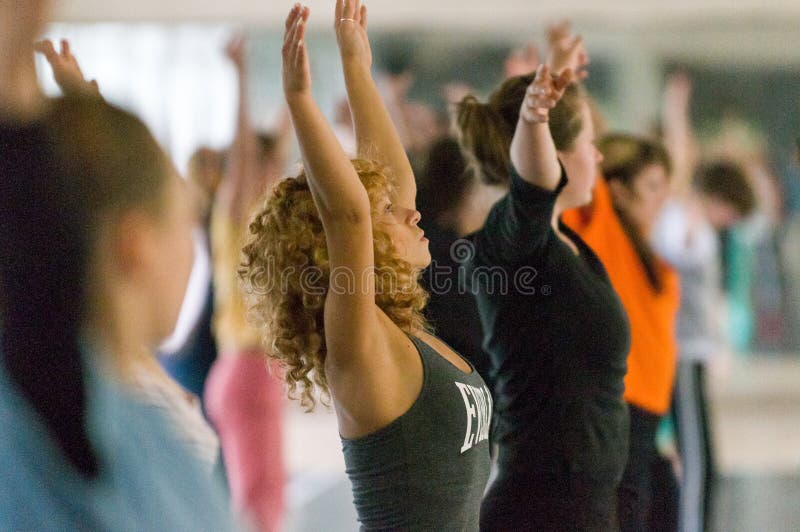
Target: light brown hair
point(286, 274)
point(485, 129)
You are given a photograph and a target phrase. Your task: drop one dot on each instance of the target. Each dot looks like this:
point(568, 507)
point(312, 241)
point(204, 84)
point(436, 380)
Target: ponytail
point(485, 138)
point(486, 129)
point(42, 269)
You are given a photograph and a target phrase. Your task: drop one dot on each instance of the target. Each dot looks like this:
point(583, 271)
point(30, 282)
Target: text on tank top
point(426, 470)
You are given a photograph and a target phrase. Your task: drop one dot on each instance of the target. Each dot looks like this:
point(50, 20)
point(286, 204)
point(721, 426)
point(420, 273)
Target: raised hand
point(351, 32)
point(543, 94)
point(65, 67)
point(236, 51)
point(296, 70)
point(678, 92)
point(522, 61)
point(566, 51)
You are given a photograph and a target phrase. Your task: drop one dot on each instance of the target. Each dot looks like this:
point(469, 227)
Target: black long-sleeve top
point(558, 338)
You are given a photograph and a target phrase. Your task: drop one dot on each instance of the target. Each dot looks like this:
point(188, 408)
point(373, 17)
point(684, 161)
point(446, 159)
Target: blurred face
point(719, 213)
point(400, 223)
point(580, 164)
point(643, 199)
point(172, 257)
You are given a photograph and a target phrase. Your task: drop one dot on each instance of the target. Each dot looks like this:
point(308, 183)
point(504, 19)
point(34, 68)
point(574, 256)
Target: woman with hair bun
point(557, 333)
point(332, 266)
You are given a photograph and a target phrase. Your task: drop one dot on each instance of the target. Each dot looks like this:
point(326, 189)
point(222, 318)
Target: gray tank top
point(427, 470)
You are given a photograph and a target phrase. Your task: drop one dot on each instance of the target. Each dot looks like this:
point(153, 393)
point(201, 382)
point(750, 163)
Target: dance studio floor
point(756, 402)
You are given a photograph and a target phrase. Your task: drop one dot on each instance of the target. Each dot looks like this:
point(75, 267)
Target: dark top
point(452, 309)
point(191, 364)
point(558, 338)
point(427, 470)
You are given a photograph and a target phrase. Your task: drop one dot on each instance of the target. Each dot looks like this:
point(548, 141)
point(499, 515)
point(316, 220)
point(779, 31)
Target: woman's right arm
point(533, 152)
point(351, 319)
point(520, 223)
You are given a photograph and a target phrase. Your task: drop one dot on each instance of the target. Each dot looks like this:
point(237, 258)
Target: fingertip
point(45, 47)
point(542, 71)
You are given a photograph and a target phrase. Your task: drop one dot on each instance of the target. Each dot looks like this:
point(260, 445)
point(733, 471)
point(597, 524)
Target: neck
point(558, 209)
point(20, 97)
point(118, 354)
point(117, 334)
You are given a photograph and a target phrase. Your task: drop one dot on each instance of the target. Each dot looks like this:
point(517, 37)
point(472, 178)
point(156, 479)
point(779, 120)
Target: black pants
point(646, 474)
point(693, 433)
point(550, 502)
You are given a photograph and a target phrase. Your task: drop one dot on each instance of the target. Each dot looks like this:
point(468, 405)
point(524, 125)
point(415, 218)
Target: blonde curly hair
point(286, 272)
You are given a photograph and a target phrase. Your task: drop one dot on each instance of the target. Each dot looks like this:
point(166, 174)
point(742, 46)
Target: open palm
point(351, 32)
point(567, 50)
point(296, 70)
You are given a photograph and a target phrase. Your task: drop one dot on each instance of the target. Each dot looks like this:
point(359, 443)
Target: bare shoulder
point(376, 387)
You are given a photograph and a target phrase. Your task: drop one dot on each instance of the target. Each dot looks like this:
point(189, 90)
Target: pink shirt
point(245, 403)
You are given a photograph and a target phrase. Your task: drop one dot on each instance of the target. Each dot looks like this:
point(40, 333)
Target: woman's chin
point(423, 261)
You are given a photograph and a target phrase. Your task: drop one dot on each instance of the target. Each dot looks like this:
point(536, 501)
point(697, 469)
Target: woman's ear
point(131, 243)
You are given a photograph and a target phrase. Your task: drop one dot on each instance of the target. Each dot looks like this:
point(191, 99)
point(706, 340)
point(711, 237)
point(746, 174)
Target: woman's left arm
point(376, 135)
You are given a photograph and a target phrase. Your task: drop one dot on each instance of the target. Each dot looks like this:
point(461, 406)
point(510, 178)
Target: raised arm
point(522, 61)
point(66, 70)
point(21, 99)
point(521, 223)
point(239, 187)
point(533, 152)
point(342, 202)
point(678, 135)
point(376, 135)
point(566, 51)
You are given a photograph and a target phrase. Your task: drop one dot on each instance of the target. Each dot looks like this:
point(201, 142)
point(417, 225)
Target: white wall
point(401, 14)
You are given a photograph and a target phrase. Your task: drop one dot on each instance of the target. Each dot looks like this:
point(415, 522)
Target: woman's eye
point(389, 208)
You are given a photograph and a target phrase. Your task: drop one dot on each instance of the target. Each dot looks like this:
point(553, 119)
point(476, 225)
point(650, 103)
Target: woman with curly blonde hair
point(331, 266)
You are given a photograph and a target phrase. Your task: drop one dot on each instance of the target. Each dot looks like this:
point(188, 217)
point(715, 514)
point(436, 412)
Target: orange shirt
point(651, 361)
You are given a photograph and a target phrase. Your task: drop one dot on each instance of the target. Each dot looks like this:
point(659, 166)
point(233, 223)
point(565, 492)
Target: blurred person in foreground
point(95, 254)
